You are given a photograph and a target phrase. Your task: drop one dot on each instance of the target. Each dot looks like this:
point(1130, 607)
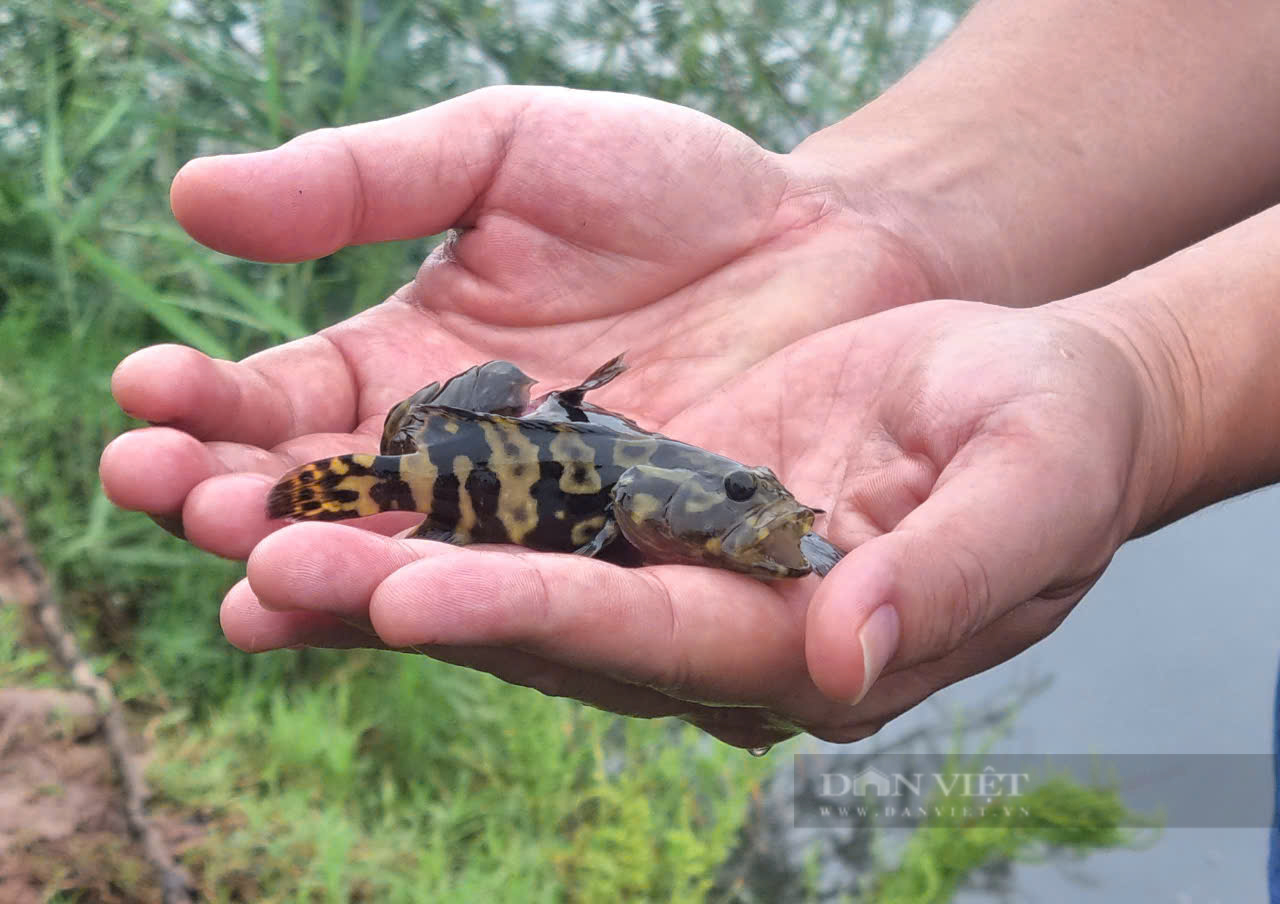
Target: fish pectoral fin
point(603, 538)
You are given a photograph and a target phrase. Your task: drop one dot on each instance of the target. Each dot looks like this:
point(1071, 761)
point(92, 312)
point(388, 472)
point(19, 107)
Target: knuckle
point(968, 606)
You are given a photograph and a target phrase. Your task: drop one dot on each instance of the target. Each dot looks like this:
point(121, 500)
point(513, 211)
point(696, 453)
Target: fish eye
point(740, 485)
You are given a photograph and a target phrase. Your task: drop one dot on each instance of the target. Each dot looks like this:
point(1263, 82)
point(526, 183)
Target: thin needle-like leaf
point(89, 210)
point(263, 309)
point(134, 289)
point(105, 125)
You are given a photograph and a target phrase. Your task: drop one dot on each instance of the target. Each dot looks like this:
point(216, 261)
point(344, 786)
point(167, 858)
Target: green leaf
point(265, 313)
point(89, 210)
point(134, 290)
point(104, 127)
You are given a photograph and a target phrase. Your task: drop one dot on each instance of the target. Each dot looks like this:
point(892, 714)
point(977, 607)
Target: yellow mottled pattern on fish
point(565, 476)
point(513, 458)
point(580, 474)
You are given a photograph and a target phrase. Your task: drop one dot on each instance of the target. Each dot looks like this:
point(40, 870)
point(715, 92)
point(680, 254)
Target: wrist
point(1199, 331)
point(1019, 180)
point(924, 191)
point(1168, 447)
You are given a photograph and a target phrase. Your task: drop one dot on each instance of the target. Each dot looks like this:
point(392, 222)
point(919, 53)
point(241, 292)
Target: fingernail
point(879, 639)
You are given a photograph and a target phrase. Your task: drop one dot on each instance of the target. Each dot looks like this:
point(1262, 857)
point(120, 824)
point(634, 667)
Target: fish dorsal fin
point(599, 377)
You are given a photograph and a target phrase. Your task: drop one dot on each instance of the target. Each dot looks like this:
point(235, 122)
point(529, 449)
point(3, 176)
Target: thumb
point(399, 178)
point(974, 550)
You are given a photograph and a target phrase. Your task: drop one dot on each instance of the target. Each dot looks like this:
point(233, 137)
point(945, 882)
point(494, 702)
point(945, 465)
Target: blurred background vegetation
point(354, 776)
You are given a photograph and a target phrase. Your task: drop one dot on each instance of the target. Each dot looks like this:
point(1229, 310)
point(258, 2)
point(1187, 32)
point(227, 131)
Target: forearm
point(1048, 148)
point(1203, 327)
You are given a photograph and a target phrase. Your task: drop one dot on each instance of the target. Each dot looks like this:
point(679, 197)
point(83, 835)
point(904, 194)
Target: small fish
point(567, 476)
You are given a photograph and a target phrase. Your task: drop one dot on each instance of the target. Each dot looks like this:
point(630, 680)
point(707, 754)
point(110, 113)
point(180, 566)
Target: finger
point(298, 388)
point(976, 548)
point(693, 633)
point(337, 381)
point(227, 516)
point(254, 627)
point(328, 568)
point(896, 692)
point(398, 178)
point(153, 470)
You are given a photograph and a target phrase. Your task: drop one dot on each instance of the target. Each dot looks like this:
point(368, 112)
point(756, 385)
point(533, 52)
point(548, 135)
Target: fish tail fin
point(345, 486)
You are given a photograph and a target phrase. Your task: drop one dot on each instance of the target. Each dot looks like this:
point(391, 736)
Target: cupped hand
point(947, 440)
point(981, 464)
point(588, 224)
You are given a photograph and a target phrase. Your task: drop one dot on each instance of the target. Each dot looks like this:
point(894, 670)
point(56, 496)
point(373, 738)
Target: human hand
point(982, 465)
point(591, 224)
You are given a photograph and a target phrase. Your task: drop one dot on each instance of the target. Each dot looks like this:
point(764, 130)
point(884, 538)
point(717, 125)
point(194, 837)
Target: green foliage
point(656, 833)
point(1058, 816)
point(397, 778)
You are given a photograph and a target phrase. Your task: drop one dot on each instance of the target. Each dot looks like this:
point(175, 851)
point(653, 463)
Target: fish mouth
point(770, 538)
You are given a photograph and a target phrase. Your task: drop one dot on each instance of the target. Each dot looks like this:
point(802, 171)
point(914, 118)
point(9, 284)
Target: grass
point(22, 665)
point(402, 779)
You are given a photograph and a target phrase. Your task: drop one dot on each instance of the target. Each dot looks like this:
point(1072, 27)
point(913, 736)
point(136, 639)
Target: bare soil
point(64, 832)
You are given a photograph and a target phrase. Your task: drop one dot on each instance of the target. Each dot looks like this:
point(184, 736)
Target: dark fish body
point(567, 477)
